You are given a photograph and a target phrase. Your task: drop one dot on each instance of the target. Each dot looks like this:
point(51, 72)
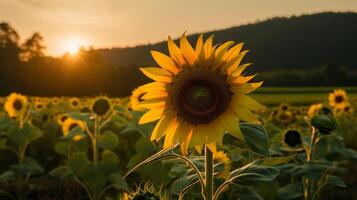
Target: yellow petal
point(169, 134)
point(157, 74)
point(233, 52)
point(199, 45)
point(153, 86)
point(212, 147)
point(163, 124)
point(243, 113)
point(247, 102)
point(237, 62)
point(151, 116)
point(187, 50)
point(238, 71)
point(219, 53)
point(154, 95)
point(246, 87)
point(152, 103)
point(243, 79)
point(164, 61)
point(207, 47)
point(231, 124)
point(175, 52)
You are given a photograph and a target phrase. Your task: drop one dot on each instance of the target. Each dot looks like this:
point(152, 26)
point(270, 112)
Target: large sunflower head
point(102, 106)
point(198, 94)
point(314, 109)
point(137, 97)
point(16, 105)
point(338, 99)
point(69, 124)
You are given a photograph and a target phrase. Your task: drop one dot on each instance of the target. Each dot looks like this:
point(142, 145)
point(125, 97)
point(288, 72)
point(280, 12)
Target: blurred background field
point(273, 96)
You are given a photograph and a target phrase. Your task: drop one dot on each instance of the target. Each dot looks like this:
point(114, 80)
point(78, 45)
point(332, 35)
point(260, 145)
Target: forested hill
point(297, 42)
point(309, 50)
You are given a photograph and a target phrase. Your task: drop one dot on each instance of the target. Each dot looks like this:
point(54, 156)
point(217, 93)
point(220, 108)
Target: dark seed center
point(339, 99)
point(292, 138)
point(72, 126)
point(200, 98)
point(101, 106)
point(17, 104)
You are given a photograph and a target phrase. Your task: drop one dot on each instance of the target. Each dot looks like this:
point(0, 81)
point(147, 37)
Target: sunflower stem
point(95, 141)
point(208, 174)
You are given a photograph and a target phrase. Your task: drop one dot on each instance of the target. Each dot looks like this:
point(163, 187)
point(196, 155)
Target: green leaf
point(62, 147)
point(7, 176)
point(291, 191)
point(248, 193)
point(118, 182)
point(27, 134)
point(74, 132)
point(256, 138)
point(79, 162)
point(29, 166)
point(327, 145)
point(3, 142)
point(314, 170)
point(335, 181)
point(61, 172)
point(251, 174)
point(108, 140)
point(271, 161)
point(183, 182)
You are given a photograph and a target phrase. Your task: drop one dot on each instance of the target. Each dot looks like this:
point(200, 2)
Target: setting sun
point(73, 45)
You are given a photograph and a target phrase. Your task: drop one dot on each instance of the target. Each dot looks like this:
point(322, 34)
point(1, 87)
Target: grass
point(272, 96)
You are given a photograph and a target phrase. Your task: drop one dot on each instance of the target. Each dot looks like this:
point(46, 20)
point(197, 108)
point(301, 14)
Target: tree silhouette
point(33, 47)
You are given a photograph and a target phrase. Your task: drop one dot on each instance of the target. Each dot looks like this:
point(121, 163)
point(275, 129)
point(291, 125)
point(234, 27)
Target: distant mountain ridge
point(305, 41)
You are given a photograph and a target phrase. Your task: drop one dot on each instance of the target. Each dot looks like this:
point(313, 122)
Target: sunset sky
point(66, 24)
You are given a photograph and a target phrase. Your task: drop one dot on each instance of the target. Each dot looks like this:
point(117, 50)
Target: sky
point(67, 24)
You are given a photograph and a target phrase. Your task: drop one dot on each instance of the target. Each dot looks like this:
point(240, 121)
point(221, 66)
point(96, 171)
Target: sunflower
point(74, 103)
point(16, 105)
point(338, 99)
point(292, 138)
point(348, 109)
point(284, 107)
point(69, 124)
point(62, 118)
point(55, 101)
point(198, 94)
point(146, 192)
point(314, 109)
point(221, 158)
point(101, 106)
point(137, 97)
point(39, 104)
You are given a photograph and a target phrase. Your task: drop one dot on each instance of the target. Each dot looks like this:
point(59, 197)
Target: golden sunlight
point(72, 45)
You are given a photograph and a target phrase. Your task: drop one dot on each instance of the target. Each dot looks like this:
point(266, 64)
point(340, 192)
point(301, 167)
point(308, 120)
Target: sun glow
point(73, 45)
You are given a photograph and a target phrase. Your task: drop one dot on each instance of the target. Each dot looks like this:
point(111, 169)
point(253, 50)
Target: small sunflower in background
point(16, 105)
point(55, 101)
point(284, 107)
point(62, 118)
point(220, 157)
point(69, 124)
point(102, 106)
point(348, 109)
point(39, 104)
point(314, 109)
point(198, 94)
point(75, 103)
point(137, 97)
point(146, 192)
point(338, 99)
point(292, 138)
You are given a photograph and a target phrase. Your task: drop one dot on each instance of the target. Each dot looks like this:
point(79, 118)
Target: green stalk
point(95, 141)
point(208, 174)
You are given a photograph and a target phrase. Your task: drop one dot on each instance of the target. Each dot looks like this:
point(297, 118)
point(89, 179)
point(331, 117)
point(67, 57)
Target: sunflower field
point(195, 132)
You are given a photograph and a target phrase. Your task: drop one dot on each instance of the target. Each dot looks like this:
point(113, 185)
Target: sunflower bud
point(324, 123)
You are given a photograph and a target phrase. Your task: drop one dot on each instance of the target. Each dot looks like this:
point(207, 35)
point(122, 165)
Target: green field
point(297, 95)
